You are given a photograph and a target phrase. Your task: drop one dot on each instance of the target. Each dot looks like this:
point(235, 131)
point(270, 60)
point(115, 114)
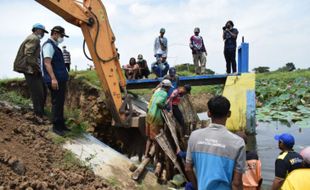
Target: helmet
point(196, 30)
point(166, 83)
point(39, 26)
point(172, 71)
point(188, 88)
point(140, 56)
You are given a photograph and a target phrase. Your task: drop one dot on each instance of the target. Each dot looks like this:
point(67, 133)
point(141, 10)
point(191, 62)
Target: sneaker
point(66, 129)
point(58, 131)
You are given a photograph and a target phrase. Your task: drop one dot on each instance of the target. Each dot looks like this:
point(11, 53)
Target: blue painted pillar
point(243, 58)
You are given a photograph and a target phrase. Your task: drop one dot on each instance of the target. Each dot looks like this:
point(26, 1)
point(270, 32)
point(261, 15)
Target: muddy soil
point(29, 159)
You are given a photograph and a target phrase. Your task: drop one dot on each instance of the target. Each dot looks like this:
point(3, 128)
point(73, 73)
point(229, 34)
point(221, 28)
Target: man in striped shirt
point(67, 57)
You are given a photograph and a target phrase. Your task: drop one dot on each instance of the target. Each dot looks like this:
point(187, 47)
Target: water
point(267, 147)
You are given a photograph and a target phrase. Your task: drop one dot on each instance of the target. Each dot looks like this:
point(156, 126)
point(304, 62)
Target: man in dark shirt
point(230, 35)
point(143, 68)
point(287, 161)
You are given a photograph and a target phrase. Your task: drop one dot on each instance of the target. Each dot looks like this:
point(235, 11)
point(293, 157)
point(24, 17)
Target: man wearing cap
point(287, 161)
point(199, 52)
point(160, 45)
point(174, 78)
point(299, 179)
point(67, 57)
point(154, 120)
point(27, 62)
point(143, 68)
point(161, 67)
point(56, 77)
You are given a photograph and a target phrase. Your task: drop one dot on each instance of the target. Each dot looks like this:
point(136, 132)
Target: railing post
point(243, 57)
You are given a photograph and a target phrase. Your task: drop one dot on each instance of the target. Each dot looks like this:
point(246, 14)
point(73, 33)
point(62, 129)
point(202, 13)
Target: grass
point(70, 160)
point(14, 97)
point(284, 75)
point(114, 182)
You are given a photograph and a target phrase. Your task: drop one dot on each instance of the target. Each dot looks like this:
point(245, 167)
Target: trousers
point(200, 60)
point(37, 91)
point(230, 57)
point(58, 102)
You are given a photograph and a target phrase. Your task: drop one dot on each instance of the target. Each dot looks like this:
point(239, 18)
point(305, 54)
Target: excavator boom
point(91, 17)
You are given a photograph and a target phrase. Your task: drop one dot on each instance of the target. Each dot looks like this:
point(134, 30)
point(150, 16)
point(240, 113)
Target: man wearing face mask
point(27, 62)
point(230, 35)
point(56, 77)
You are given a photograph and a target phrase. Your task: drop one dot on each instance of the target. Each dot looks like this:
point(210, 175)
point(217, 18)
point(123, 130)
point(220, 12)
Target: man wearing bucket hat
point(287, 161)
point(27, 62)
point(56, 77)
point(143, 68)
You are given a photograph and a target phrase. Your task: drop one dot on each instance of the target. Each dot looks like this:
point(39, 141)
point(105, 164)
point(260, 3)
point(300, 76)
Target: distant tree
point(288, 67)
point(261, 69)
point(190, 68)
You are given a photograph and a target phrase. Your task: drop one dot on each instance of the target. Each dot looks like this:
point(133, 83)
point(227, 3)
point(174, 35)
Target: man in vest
point(27, 61)
point(287, 161)
point(299, 179)
point(56, 77)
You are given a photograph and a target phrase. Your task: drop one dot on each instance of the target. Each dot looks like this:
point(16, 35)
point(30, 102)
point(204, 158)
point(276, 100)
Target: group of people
point(217, 158)
point(136, 70)
point(51, 72)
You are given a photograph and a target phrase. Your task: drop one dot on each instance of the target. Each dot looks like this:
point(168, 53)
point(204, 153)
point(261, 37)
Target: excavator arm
point(91, 17)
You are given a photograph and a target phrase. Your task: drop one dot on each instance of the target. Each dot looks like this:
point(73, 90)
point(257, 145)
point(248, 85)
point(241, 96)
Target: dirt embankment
point(29, 159)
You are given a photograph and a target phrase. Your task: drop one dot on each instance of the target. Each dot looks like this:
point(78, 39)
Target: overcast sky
point(277, 31)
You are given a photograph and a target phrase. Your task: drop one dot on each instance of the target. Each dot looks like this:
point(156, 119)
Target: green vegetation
point(70, 160)
point(114, 182)
point(284, 96)
point(14, 97)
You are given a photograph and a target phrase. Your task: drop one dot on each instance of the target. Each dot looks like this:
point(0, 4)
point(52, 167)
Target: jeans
point(58, 101)
point(230, 57)
point(37, 90)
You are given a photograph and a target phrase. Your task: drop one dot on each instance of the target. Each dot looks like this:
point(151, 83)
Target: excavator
point(91, 17)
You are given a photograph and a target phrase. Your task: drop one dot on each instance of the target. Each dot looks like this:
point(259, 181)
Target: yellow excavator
point(91, 17)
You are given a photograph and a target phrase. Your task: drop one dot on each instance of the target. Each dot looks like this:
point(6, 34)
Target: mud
point(29, 159)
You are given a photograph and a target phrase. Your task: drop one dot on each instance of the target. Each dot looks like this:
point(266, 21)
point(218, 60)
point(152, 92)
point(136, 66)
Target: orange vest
point(252, 176)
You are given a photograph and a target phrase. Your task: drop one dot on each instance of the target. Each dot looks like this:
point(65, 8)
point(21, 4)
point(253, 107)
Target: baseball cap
point(305, 153)
point(164, 55)
point(172, 71)
point(162, 30)
point(188, 88)
point(60, 30)
point(140, 56)
point(166, 83)
point(286, 139)
point(39, 26)
point(196, 30)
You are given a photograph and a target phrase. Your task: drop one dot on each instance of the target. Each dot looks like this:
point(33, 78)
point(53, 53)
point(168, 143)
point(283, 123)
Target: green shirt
point(154, 113)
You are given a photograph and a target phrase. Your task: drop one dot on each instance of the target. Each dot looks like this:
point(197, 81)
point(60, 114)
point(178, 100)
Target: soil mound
point(30, 159)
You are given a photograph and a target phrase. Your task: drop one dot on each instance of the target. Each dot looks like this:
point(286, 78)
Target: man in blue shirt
point(217, 155)
point(56, 77)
